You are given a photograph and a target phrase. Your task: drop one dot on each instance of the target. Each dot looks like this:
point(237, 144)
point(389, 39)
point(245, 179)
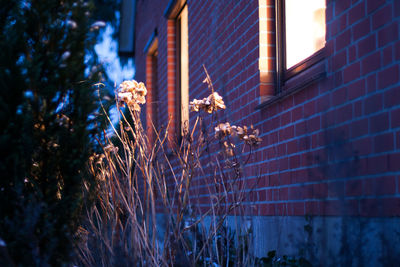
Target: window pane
point(305, 29)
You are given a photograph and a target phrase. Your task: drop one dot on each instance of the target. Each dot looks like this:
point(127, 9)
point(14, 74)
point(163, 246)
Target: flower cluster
point(222, 130)
point(248, 135)
point(132, 93)
point(212, 103)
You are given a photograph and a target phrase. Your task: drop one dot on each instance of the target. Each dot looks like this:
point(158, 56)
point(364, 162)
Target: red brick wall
point(149, 17)
point(330, 148)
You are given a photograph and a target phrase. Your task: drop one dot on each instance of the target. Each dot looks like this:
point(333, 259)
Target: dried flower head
point(222, 130)
point(248, 135)
point(229, 148)
point(195, 105)
point(212, 103)
point(132, 93)
point(216, 101)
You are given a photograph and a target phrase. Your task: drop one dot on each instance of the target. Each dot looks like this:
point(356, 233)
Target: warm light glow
point(184, 75)
point(263, 36)
point(305, 29)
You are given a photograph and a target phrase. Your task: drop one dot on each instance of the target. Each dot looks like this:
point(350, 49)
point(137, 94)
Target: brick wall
point(331, 147)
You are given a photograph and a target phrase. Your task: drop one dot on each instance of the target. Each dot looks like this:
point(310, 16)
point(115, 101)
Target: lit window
point(305, 29)
point(182, 43)
point(300, 35)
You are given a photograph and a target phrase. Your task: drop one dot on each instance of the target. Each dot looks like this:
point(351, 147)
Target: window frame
point(283, 73)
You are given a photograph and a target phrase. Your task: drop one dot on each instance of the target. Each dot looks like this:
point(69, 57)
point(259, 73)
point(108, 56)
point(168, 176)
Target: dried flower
point(132, 93)
point(195, 105)
point(212, 103)
point(222, 130)
point(229, 148)
point(249, 136)
point(216, 101)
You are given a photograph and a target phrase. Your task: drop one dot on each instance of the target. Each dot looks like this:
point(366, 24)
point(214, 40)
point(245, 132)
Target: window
point(300, 36)
point(152, 87)
point(176, 14)
point(182, 63)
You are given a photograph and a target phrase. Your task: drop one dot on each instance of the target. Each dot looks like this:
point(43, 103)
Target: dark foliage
point(273, 260)
point(46, 102)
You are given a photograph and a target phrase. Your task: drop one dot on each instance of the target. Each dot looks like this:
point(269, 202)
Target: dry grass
point(160, 204)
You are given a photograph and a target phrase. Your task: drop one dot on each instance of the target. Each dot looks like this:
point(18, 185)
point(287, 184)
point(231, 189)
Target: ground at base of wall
point(323, 241)
point(331, 241)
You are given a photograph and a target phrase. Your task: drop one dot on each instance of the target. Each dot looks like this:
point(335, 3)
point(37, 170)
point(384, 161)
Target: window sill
point(298, 82)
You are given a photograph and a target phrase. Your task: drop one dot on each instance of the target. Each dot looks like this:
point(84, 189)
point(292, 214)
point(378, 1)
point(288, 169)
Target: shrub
point(45, 105)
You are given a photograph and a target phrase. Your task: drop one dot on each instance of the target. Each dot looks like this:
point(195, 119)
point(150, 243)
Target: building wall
point(331, 147)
